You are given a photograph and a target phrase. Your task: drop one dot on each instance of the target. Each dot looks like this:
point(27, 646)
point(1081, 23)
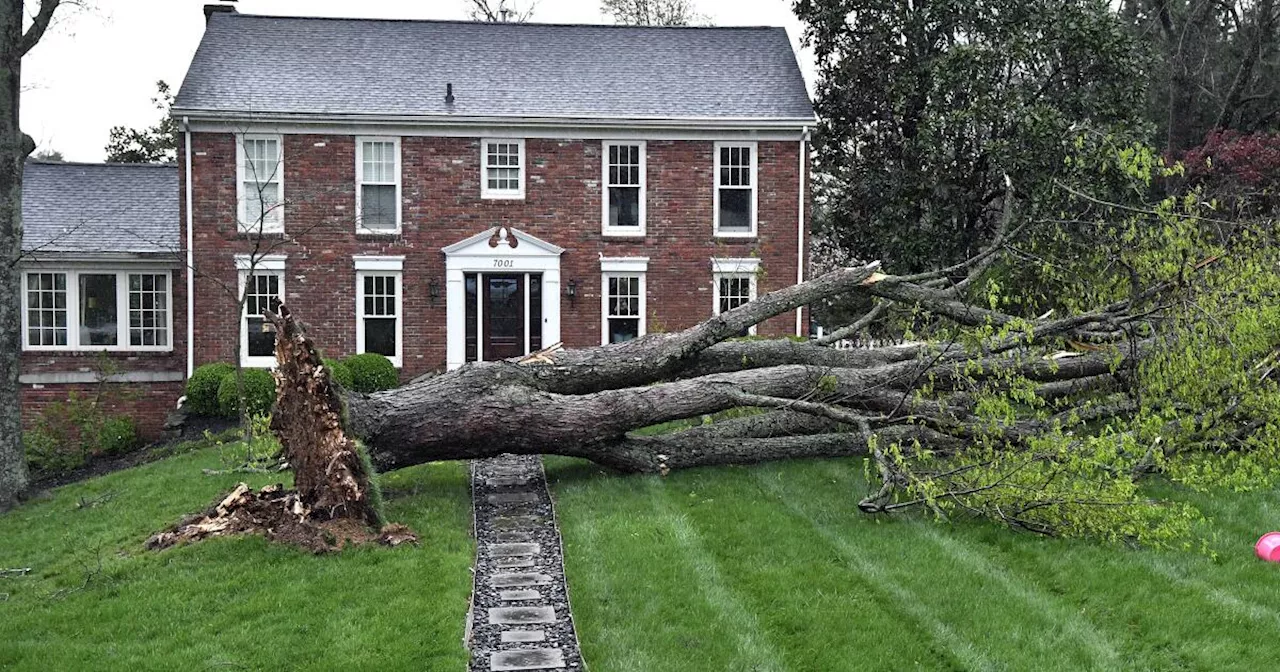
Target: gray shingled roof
point(265, 64)
point(95, 207)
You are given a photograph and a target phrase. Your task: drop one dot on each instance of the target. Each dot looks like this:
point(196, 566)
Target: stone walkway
point(520, 618)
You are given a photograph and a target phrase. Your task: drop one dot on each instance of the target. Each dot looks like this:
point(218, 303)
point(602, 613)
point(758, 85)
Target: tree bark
point(590, 402)
point(15, 147)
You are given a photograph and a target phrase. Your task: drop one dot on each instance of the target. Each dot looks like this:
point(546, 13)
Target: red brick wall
point(149, 403)
point(442, 205)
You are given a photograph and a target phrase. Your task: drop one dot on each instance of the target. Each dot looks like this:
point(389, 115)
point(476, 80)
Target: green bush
point(202, 387)
point(371, 372)
point(48, 453)
point(259, 393)
point(118, 434)
point(339, 373)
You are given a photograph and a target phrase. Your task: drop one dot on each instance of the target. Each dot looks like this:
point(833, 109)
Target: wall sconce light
point(571, 289)
point(433, 290)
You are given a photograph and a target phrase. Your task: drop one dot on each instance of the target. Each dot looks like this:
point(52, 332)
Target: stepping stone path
point(520, 617)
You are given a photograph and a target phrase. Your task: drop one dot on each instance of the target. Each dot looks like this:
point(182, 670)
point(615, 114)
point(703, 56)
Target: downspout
point(190, 269)
point(804, 140)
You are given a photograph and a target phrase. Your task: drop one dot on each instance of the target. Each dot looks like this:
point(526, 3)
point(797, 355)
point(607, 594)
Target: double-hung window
point(260, 183)
point(502, 166)
point(96, 309)
point(734, 283)
point(262, 282)
point(735, 196)
point(379, 292)
point(623, 193)
point(378, 185)
point(622, 298)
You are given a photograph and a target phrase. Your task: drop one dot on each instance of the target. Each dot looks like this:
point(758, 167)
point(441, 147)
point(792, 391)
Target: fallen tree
point(1046, 423)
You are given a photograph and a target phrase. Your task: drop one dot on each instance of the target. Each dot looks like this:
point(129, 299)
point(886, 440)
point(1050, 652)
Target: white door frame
point(505, 251)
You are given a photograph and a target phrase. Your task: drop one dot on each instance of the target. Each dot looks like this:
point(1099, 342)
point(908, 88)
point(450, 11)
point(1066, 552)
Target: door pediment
point(502, 241)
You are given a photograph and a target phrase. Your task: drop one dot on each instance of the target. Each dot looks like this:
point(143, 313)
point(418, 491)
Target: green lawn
point(773, 568)
point(229, 604)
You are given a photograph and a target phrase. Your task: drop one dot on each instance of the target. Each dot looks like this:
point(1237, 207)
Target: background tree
point(925, 108)
point(154, 144)
point(51, 155)
point(1220, 61)
point(15, 147)
point(652, 12)
point(502, 12)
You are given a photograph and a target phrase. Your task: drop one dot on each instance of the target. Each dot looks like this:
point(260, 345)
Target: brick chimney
point(225, 6)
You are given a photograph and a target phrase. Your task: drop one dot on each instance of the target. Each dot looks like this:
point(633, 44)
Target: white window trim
point(755, 187)
point(360, 228)
point(271, 264)
point(748, 267)
point(243, 225)
point(73, 309)
point(623, 267)
point(622, 231)
point(380, 266)
point(485, 191)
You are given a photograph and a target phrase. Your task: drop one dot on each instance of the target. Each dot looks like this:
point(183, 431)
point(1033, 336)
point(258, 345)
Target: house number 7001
point(502, 263)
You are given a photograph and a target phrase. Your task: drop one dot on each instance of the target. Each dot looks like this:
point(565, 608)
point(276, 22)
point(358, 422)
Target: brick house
point(102, 277)
point(446, 192)
point(438, 192)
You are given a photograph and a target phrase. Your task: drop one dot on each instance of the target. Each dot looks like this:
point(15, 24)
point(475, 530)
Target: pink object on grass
point(1268, 547)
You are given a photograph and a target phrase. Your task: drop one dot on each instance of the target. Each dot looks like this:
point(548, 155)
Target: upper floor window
point(378, 184)
point(97, 310)
point(623, 192)
point(502, 164)
point(734, 284)
point(262, 284)
point(735, 197)
point(379, 289)
point(260, 183)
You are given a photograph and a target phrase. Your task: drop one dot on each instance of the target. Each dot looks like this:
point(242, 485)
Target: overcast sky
point(97, 67)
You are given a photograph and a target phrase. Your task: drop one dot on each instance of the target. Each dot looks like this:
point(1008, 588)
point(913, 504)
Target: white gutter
point(804, 139)
point(190, 269)
point(708, 123)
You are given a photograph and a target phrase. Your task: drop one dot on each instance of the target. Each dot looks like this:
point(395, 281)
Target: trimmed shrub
point(202, 387)
point(371, 372)
point(259, 393)
point(339, 373)
point(119, 434)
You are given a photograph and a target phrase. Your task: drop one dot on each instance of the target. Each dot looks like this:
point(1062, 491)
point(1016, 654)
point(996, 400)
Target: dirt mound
point(281, 516)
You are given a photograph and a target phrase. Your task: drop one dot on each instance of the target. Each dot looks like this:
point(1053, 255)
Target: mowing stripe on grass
point(612, 629)
point(1222, 598)
point(1098, 644)
point(763, 656)
point(963, 650)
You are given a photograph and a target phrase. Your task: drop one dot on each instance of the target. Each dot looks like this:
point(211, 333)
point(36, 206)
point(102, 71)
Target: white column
point(456, 320)
point(551, 307)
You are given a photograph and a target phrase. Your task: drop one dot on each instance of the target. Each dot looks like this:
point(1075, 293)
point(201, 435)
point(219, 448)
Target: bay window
point(97, 309)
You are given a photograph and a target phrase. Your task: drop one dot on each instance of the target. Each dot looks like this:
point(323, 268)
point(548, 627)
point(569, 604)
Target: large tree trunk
point(15, 147)
point(589, 403)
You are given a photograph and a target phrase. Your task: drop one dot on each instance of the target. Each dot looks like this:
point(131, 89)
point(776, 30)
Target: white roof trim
point(266, 262)
point(375, 263)
point(623, 264)
point(742, 265)
point(479, 244)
